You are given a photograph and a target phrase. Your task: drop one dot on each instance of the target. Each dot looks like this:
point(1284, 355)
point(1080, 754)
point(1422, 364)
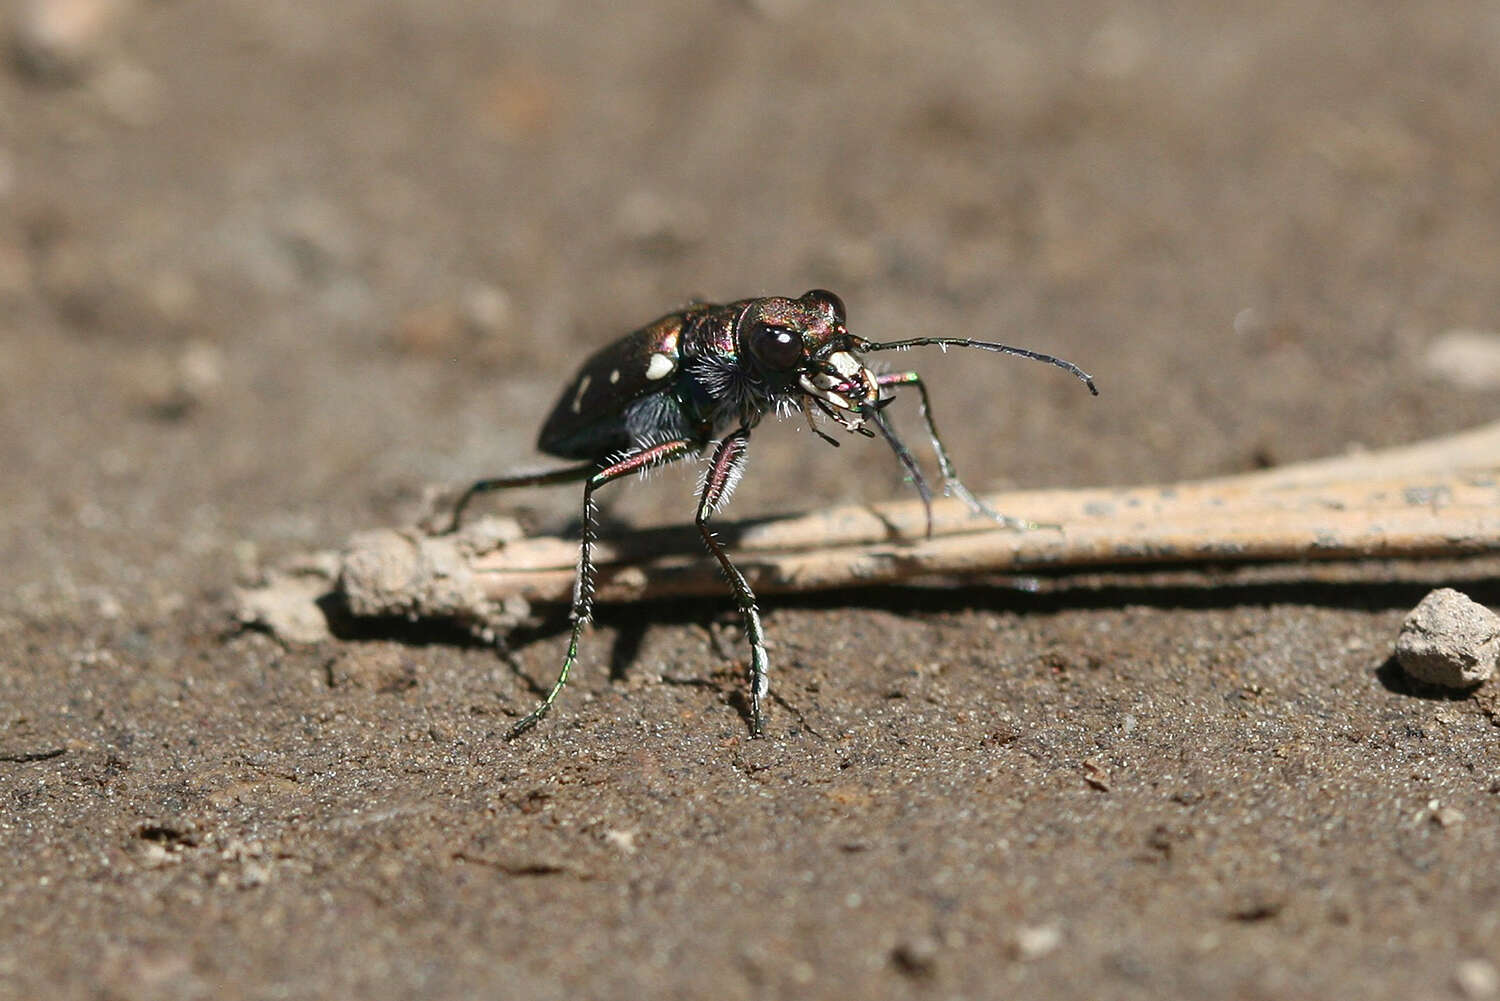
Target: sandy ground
point(268, 270)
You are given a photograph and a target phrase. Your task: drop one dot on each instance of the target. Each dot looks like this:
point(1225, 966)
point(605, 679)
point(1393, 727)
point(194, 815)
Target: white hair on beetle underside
point(734, 390)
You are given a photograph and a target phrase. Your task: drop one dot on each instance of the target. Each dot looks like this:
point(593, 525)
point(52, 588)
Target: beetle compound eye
point(776, 347)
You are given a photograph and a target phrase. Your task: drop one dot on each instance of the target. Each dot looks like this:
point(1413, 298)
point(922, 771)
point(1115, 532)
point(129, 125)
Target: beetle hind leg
point(567, 474)
point(631, 463)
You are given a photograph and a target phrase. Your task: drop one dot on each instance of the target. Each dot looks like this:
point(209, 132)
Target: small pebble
point(1445, 816)
point(1449, 640)
point(622, 840)
point(916, 957)
point(487, 309)
point(433, 329)
point(288, 606)
point(1477, 978)
point(171, 388)
point(1036, 941)
point(57, 40)
point(1468, 359)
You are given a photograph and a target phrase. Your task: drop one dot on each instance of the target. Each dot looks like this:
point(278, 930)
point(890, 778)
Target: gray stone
point(1449, 640)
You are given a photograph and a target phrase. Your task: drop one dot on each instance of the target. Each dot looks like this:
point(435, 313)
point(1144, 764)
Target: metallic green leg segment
point(583, 584)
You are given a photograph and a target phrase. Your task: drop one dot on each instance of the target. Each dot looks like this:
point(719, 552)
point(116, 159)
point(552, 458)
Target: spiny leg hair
point(718, 481)
point(630, 463)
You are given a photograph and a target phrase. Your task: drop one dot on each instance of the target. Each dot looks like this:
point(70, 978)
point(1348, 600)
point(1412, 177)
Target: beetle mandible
point(706, 375)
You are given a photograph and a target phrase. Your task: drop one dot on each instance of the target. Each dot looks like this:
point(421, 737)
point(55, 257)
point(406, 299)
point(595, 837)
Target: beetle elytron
point(706, 375)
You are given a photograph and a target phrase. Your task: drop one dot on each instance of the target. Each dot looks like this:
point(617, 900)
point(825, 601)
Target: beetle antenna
point(860, 344)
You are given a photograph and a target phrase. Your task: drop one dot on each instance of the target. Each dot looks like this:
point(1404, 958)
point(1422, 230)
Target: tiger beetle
point(706, 375)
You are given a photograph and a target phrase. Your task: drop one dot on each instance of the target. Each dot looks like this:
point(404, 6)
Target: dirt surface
point(268, 270)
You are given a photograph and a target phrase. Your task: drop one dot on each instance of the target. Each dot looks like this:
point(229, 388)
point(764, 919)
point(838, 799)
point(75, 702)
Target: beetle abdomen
point(590, 418)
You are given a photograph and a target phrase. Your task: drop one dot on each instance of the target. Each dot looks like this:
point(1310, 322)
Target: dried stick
point(1437, 498)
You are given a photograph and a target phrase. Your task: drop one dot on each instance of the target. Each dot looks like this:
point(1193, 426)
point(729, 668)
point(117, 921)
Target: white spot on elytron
point(659, 367)
point(583, 387)
point(614, 376)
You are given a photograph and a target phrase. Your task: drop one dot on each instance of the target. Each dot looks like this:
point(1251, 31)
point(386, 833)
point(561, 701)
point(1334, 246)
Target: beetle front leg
point(951, 482)
point(583, 585)
point(719, 480)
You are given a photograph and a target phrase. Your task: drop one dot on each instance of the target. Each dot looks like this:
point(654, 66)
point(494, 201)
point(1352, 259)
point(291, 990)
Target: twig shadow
point(345, 625)
point(1398, 682)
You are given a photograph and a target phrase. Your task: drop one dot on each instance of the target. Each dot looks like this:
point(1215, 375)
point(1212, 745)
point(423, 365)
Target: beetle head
point(780, 334)
point(804, 343)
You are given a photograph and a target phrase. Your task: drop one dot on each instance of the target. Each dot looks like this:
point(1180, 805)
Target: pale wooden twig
point(1438, 498)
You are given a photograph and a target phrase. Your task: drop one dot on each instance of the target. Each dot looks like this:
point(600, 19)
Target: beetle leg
point(583, 585)
point(951, 483)
point(545, 478)
point(723, 473)
point(908, 461)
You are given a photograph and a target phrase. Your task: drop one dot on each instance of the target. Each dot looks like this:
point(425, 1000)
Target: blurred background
point(269, 269)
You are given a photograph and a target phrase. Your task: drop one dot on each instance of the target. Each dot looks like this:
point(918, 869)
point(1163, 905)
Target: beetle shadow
point(422, 632)
point(1021, 594)
point(630, 623)
point(624, 651)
